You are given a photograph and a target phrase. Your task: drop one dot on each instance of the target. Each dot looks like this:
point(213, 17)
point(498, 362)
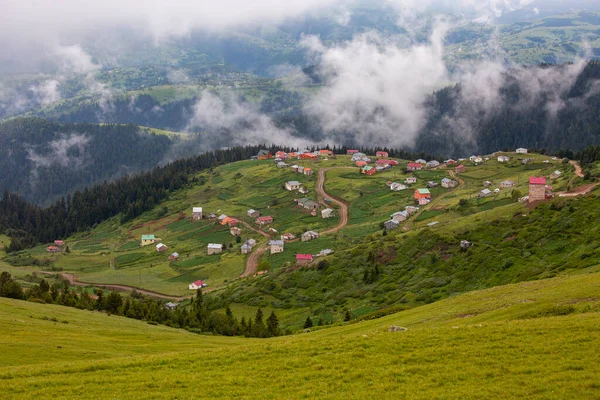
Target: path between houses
point(119, 288)
point(252, 261)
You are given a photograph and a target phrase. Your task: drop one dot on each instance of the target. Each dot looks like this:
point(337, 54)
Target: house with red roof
point(52, 249)
point(303, 259)
point(59, 243)
point(460, 169)
point(383, 154)
point(308, 156)
point(266, 220)
point(368, 170)
point(414, 166)
point(197, 285)
point(361, 164)
point(281, 154)
point(350, 152)
point(538, 190)
point(325, 152)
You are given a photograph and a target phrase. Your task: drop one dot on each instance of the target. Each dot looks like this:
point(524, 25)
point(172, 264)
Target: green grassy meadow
point(530, 340)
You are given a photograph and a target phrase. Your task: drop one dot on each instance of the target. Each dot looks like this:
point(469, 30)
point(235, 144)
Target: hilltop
point(418, 262)
point(479, 345)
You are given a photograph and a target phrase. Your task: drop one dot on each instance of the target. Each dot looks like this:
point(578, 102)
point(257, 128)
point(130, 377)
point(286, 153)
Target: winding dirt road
point(119, 288)
point(252, 261)
point(341, 203)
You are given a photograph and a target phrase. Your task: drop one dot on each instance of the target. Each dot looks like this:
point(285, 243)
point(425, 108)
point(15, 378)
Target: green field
point(531, 340)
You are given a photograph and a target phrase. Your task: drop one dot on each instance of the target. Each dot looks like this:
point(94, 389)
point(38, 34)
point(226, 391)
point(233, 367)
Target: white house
point(432, 164)
point(555, 174)
point(476, 159)
point(400, 216)
point(214, 248)
point(276, 246)
point(521, 150)
point(410, 180)
point(396, 187)
point(448, 183)
point(197, 285)
point(292, 185)
point(309, 235)
point(326, 213)
point(503, 159)
point(161, 247)
point(421, 161)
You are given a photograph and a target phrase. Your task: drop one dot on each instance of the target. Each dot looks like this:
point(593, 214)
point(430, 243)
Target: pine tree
point(348, 316)
point(308, 323)
point(273, 325)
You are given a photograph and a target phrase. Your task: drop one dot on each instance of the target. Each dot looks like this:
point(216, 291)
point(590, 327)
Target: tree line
point(196, 317)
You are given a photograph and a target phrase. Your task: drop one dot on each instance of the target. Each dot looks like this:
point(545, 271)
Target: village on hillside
point(293, 209)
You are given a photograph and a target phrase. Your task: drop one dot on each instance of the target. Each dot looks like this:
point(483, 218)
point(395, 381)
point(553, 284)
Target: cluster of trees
point(196, 317)
point(47, 160)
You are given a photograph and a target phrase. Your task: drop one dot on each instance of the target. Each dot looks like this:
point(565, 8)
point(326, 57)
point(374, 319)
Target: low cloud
point(67, 151)
point(232, 122)
point(376, 90)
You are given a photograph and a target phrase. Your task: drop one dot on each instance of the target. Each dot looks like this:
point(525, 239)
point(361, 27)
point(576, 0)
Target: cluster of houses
point(302, 170)
point(56, 248)
point(282, 156)
point(399, 217)
point(295, 185)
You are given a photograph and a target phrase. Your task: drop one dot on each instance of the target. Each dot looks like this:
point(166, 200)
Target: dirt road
point(341, 203)
point(252, 261)
point(120, 288)
point(578, 170)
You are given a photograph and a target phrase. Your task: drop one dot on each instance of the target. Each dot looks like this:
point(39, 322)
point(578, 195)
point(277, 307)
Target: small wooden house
point(266, 220)
point(214, 248)
point(460, 169)
point(161, 247)
point(391, 225)
point(196, 214)
point(310, 235)
point(174, 256)
point(235, 231)
point(308, 171)
point(252, 213)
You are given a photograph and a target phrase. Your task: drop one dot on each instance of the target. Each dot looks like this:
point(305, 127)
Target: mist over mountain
point(444, 77)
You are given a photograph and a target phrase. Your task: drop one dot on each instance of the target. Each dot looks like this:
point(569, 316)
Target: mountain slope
point(43, 160)
point(532, 340)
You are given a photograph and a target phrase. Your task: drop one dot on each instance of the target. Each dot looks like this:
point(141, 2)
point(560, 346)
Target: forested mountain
point(44, 160)
point(563, 112)
point(548, 117)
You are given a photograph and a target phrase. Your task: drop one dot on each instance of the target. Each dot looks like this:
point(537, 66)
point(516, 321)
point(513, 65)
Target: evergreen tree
point(273, 325)
point(308, 323)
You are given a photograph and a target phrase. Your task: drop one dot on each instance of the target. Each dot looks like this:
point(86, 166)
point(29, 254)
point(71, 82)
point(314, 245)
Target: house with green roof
point(147, 239)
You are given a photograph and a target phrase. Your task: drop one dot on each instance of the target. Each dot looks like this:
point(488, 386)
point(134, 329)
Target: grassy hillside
point(531, 340)
point(110, 253)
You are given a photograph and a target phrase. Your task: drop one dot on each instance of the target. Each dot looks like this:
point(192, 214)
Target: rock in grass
point(395, 328)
